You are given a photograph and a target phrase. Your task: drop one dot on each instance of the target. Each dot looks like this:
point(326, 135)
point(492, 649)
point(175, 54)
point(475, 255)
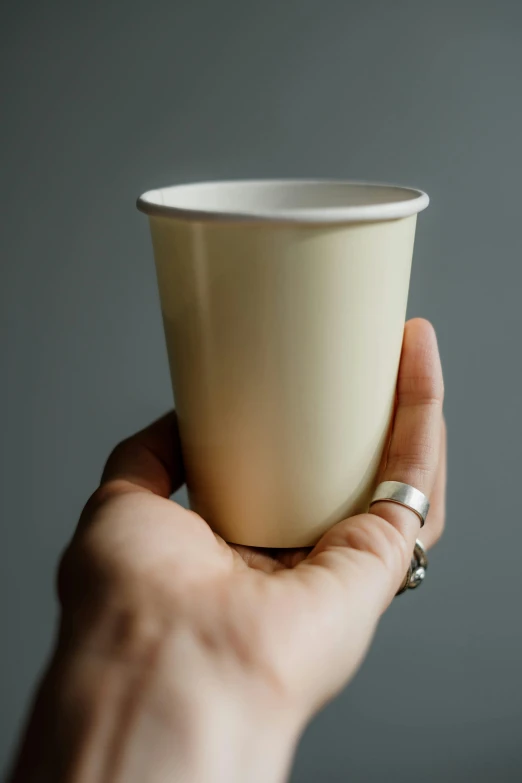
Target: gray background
point(106, 99)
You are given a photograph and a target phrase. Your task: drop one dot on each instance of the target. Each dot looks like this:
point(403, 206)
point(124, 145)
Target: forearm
point(175, 717)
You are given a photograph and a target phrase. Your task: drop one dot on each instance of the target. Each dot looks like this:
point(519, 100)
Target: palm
point(279, 616)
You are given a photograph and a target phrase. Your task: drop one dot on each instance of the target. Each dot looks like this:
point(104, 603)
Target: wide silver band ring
point(417, 570)
point(404, 495)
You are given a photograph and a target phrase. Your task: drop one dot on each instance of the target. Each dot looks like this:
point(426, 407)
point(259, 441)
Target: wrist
point(156, 706)
point(227, 723)
point(223, 735)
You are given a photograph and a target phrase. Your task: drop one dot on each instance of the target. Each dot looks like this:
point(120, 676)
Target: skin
point(182, 658)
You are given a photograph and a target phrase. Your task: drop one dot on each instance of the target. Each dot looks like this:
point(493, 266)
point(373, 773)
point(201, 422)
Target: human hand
point(216, 644)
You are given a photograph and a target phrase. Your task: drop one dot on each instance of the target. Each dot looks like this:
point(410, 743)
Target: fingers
point(370, 553)
point(150, 459)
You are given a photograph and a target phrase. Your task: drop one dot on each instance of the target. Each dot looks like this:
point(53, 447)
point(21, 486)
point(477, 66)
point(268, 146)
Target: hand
point(220, 654)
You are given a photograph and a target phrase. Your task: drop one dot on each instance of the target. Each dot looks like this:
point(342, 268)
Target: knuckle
point(422, 390)
point(100, 497)
point(413, 469)
point(83, 570)
point(99, 606)
point(96, 562)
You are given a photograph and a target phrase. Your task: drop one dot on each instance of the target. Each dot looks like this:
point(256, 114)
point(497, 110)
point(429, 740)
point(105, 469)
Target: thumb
point(370, 553)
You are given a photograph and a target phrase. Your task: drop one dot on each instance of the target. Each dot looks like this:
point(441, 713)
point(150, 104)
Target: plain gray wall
point(104, 100)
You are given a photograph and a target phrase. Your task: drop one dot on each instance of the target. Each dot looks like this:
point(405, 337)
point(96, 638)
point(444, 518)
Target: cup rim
point(413, 201)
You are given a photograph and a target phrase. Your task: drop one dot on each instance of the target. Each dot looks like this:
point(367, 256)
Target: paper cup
point(284, 305)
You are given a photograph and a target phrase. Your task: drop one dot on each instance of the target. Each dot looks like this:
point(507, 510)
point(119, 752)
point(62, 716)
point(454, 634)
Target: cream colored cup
point(284, 305)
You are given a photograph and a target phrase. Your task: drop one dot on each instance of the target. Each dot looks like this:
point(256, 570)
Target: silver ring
point(404, 495)
point(417, 570)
